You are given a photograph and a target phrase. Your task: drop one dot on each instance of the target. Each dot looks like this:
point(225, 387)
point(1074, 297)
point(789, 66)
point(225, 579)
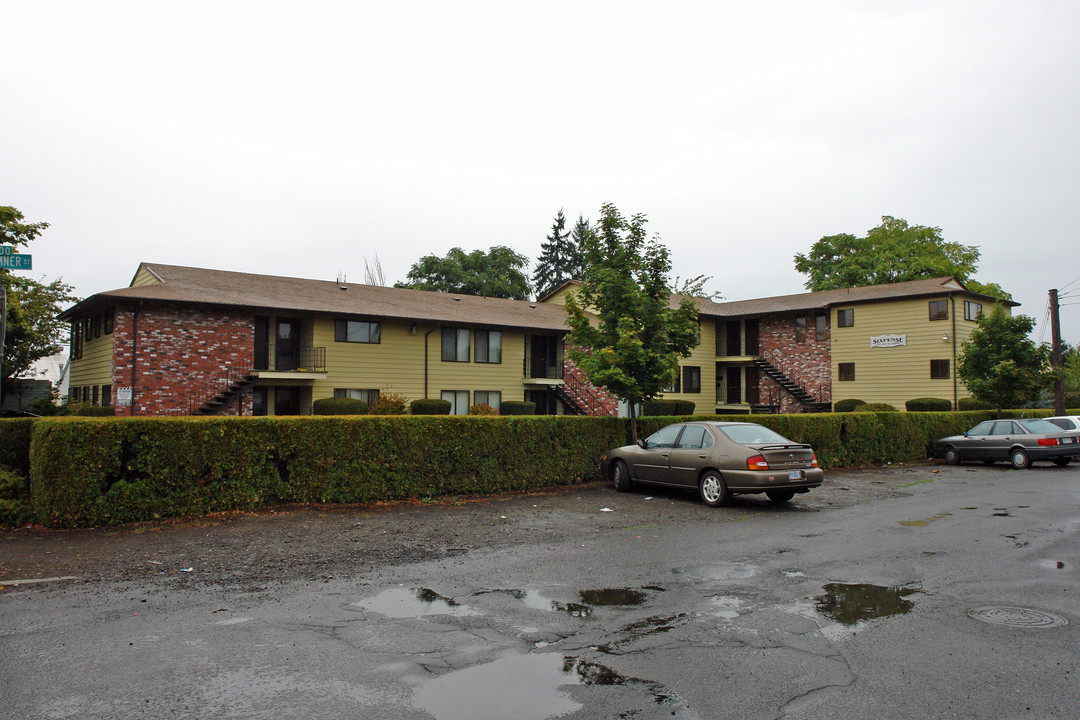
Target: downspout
point(426, 359)
point(955, 391)
point(134, 352)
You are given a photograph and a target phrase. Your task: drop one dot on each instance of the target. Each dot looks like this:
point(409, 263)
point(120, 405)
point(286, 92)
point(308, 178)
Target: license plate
point(795, 475)
point(1067, 440)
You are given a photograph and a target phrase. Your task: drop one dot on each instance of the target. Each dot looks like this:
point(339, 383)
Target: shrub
point(15, 506)
point(389, 403)
point(91, 410)
point(339, 406)
point(849, 405)
point(516, 407)
point(430, 406)
point(664, 408)
point(684, 407)
point(1072, 399)
point(973, 404)
point(928, 405)
point(874, 407)
point(483, 409)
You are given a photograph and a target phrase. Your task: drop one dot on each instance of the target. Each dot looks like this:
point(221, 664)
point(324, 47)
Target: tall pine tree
point(560, 258)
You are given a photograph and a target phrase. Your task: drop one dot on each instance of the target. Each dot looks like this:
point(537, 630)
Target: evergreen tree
point(559, 259)
point(577, 242)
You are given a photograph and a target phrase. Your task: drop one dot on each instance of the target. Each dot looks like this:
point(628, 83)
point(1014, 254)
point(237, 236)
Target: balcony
point(289, 360)
point(543, 370)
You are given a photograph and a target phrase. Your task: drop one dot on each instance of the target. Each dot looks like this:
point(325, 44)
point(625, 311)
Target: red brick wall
point(177, 350)
point(607, 402)
point(807, 363)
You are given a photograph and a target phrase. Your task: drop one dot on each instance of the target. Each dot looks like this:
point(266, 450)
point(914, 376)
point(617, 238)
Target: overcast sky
point(301, 138)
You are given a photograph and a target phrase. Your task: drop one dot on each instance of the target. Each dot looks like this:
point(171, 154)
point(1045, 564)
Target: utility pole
point(1055, 355)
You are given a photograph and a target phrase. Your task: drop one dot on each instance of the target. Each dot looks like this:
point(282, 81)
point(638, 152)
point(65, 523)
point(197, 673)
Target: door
point(752, 345)
point(734, 338)
point(651, 462)
point(543, 362)
point(287, 351)
point(734, 385)
point(753, 395)
point(287, 401)
point(690, 455)
point(262, 343)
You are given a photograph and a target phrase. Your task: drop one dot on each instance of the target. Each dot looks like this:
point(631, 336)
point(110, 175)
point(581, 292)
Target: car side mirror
point(641, 444)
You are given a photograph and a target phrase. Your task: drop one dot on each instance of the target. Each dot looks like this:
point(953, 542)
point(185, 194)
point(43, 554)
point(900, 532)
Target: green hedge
point(848, 405)
point(515, 407)
point(430, 406)
point(973, 404)
point(339, 406)
point(103, 472)
point(667, 407)
point(928, 405)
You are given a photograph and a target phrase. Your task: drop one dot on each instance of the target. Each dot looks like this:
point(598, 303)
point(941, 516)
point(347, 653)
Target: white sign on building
point(888, 341)
point(123, 396)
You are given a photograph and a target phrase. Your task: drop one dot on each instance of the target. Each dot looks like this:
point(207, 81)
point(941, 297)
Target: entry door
point(287, 401)
point(262, 342)
point(753, 395)
point(287, 352)
point(734, 385)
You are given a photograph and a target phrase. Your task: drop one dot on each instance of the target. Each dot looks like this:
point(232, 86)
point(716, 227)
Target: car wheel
point(780, 496)
point(1019, 459)
point(951, 456)
point(1062, 462)
point(713, 489)
point(620, 476)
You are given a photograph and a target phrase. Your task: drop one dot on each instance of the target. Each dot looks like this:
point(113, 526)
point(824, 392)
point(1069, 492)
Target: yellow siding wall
point(703, 356)
point(895, 375)
point(95, 365)
point(143, 278)
point(396, 364)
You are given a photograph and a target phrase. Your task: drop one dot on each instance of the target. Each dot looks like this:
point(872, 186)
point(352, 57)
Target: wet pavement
point(895, 593)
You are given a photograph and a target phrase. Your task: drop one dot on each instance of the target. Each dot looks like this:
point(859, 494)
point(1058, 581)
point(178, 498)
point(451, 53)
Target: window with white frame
point(455, 345)
point(459, 401)
point(488, 346)
point(492, 398)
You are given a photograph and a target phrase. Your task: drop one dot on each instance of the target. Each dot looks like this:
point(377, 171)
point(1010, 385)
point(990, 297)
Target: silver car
point(718, 459)
point(1021, 442)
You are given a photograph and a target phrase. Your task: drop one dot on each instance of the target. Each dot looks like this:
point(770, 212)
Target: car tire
point(620, 476)
point(1062, 462)
point(713, 490)
point(951, 456)
point(1019, 459)
point(780, 496)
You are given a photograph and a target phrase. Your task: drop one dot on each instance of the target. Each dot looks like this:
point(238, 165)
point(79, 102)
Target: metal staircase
point(217, 394)
point(807, 401)
point(581, 398)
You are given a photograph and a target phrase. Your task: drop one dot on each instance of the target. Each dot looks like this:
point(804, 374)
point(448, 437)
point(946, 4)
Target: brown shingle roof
point(200, 286)
point(827, 298)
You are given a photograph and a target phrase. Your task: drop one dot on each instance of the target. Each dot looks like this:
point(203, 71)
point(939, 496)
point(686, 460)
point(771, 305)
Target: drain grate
point(1017, 617)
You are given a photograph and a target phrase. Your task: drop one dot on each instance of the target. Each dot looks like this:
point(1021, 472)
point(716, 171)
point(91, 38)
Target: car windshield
point(1039, 426)
point(750, 434)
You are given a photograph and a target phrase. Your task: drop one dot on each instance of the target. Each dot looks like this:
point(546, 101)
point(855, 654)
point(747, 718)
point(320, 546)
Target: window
point(800, 330)
point(94, 330)
point(972, 310)
point(939, 309)
point(94, 395)
point(259, 401)
point(939, 369)
point(455, 345)
point(821, 323)
point(664, 437)
point(459, 400)
point(73, 395)
point(675, 385)
point(846, 371)
point(106, 395)
point(76, 340)
point(1004, 427)
point(692, 437)
point(691, 379)
point(357, 331)
point(845, 317)
point(369, 396)
point(488, 346)
point(488, 397)
point(110, 318)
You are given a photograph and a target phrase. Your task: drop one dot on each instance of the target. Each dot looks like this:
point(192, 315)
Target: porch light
point(945, 337)
point(412, 330)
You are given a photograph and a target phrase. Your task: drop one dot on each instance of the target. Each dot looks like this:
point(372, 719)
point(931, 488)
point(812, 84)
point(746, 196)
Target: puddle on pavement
point(414, 602)
point(852, 604)
point(524, 687)
point(590, 599)
point(720, 572)
point(726, 607)
point(924, 523)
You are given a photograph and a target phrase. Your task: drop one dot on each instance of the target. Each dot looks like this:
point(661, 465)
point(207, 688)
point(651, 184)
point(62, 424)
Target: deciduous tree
point(633, 344)
point(498, 272)
point(894, 251)
point(1000, 364)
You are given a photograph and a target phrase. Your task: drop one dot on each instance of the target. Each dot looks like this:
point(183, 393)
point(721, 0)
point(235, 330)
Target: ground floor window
point(368, 396)
point(106, 395)
point(939, 369)
point(691, 379)
point(846, 372)
point(459, 401)
point(492, 398)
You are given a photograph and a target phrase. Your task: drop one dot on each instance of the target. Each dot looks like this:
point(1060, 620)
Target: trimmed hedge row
point(88, 472)
point(103, 471)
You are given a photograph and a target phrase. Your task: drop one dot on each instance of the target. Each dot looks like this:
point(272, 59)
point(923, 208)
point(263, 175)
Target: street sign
point(15, 261)
point(7, 249)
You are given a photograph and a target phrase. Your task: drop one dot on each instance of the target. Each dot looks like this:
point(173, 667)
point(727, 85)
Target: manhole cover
point(1017, 617)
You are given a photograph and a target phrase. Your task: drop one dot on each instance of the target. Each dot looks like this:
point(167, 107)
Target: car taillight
point(1048, 441)
point(757, 463)
point(813, 460)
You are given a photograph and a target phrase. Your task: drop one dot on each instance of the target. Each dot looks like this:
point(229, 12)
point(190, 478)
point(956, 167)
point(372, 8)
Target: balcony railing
point(290, 358)
point(543, 367)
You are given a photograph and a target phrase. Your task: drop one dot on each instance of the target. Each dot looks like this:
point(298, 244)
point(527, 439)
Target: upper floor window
point(455, 345)
point(488, 346)
point(939, 309)
point(109, 320)
point(821, 325)
point(845, 317)
point(845, 371)
point(800, 329)
point(357, 331)
point(972, 310)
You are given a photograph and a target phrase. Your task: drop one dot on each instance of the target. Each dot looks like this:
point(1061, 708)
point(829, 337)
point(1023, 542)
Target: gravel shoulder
point(324, 541)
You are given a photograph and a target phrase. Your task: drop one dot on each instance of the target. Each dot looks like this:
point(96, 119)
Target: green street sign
point(15, 262)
